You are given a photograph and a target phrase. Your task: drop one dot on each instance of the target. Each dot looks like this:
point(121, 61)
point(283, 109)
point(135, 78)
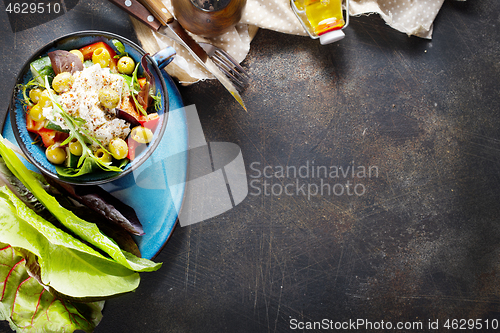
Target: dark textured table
point(415, 241)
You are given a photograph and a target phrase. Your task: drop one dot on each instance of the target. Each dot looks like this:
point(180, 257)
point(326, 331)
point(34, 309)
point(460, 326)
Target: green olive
point(44, 100)
point(75, 148)
point(101, 56)
point(35, 95)
point(126, 65)
point(63, 82)
point(55, 154)
point(36, 113)
point(103, 155)
point(118, 148)
point(109, 98)
point(78, 53)
point(141, 134)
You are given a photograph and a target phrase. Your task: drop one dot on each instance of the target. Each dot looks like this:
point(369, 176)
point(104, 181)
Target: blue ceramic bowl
point(36, 152)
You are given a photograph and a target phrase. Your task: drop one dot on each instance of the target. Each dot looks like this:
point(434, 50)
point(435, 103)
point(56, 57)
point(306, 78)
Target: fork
point(227, 64)
point(222, 60)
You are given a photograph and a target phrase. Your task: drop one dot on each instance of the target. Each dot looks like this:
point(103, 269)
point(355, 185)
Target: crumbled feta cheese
point(82, 101)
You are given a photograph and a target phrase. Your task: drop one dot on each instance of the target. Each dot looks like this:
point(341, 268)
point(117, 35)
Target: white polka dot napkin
point(413, 17)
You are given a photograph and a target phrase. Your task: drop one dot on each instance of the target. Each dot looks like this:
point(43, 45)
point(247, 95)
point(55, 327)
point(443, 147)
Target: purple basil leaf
point(103, 203)
point(143, 97)
point(127, 117)
point(64, 61)
point(144, 63)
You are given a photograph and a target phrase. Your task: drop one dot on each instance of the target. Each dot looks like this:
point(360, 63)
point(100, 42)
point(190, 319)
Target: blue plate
point(156, 206)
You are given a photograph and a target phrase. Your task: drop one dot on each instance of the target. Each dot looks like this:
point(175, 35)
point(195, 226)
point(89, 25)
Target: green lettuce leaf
point(28, 307)
point(89, 165)
point(87, 231)
point(66, 264)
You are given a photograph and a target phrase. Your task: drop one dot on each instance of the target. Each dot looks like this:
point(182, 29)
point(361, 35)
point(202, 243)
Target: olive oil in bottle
point(324, 18)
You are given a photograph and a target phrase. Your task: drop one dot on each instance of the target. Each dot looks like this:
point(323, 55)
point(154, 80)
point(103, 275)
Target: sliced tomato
point(150, 121)
point(142, 81)
point(50, 137)
point(61, 136)
point(33, 126)
point(88, 50)
point(133, 148)
point(128, 106)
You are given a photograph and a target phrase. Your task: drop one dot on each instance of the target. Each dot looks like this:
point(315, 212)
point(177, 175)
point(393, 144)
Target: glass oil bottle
point(322, 19)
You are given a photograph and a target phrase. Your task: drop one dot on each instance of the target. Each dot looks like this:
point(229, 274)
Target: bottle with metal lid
point(322, 19)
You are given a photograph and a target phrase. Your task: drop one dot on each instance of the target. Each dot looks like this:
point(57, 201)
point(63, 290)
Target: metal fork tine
point(226, 70)
point(227, 64)
point(229, 72)
point(243, 77)
point(233, 61)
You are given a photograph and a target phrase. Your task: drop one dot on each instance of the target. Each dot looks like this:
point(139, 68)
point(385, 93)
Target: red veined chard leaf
point(29, 307)
point(11, 274)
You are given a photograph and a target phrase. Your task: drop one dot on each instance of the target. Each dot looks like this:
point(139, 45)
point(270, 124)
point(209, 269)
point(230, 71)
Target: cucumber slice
point(71, 160)
point(87, 63)
point(41, 68)
point(41, 63)
point(55, 127)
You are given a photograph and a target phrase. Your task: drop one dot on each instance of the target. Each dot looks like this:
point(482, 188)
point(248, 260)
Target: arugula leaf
point(157, 101)
point(132, 82)
point(28, 306)
point(32, 83)
point(136, 89)
point(120, 48)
